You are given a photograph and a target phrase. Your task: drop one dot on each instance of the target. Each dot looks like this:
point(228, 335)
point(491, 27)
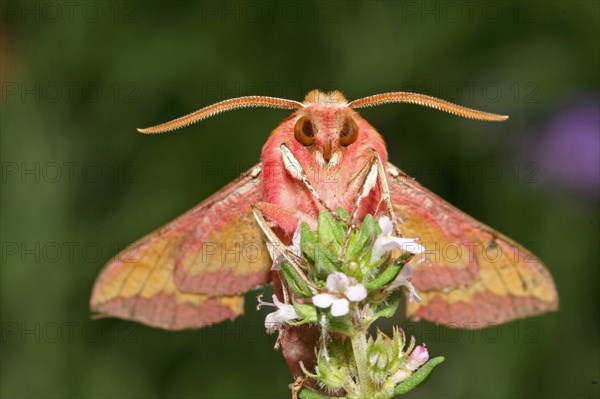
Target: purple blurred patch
point(569, 148)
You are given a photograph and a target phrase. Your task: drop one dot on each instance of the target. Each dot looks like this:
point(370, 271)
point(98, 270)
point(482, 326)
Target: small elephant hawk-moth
point(188, 275)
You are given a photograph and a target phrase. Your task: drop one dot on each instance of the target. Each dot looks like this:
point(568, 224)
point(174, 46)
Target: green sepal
point(340, 324)
point(332, 367)
point(309, 393)
point(384, 278)
point(404, 257)
point(307, 312)
point(295, 282)
point(418, 377)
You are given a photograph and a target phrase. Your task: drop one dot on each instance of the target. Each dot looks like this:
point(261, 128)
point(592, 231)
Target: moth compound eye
point(304, 131)
point(348, 132)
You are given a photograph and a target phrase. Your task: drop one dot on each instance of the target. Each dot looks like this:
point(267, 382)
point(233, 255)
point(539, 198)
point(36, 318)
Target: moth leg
point(293, 166)
point(297, 386)
point(376, 173)
point(286, 219)
point(367, 177)
point(370, 175)
point(277, 247)
point(386, 197)
point(279, 339)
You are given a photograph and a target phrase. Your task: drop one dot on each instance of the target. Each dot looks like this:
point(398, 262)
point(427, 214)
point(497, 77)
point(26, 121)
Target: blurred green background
point(78, 182)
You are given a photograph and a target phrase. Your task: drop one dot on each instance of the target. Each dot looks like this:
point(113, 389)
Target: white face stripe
point(319, 159)
point(370, 180)
point(335, 159)
point(333, 162)
point(291, 164)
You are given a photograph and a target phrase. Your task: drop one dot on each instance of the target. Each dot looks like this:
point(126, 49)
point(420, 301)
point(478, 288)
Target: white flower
point(284, 313)
point(341, 290)
point(278, 257)
point(385, 241)
point(403, 279)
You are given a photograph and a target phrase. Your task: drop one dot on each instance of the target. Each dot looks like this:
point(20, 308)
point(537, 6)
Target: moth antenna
point(223, 106)
point(426, 101)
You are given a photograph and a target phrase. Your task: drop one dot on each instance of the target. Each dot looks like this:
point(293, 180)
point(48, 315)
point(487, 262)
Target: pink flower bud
point(417, 358)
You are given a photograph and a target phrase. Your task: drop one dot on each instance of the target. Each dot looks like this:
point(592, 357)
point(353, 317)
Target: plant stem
point(359, 347)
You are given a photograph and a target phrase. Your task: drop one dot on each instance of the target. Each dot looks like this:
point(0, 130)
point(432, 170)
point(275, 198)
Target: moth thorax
point(319, 97)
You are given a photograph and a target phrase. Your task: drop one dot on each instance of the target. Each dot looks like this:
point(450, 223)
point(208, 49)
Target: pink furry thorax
point(334, 181)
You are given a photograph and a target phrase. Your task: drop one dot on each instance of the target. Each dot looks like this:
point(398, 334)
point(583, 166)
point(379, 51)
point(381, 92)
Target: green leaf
point(325, 260)
point(418, 377)
point(295, 282)
point(343, 214)
point(307, 241)
point(384, 278)
point(359, 240)
point(366, 266)
point(328, 230)
point(309, 393)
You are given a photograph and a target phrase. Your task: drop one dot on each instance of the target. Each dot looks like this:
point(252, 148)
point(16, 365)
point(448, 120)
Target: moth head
point(326, 127)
